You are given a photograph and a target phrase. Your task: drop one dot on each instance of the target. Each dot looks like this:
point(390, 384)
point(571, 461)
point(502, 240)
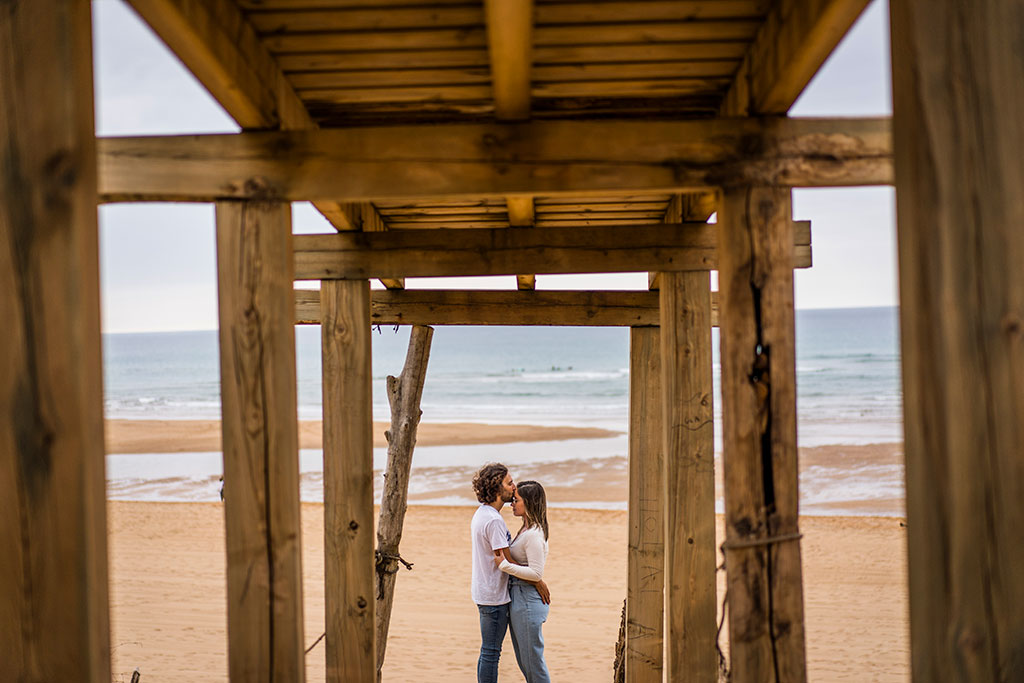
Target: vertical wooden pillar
point(54, 622)
point(958, 82)
point(645, 589)
point(689, 487)
point(762, 548)
point(348, 481)
point(260, 432)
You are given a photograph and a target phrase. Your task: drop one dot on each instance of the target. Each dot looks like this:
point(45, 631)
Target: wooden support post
point(690, 591)
point(404, 394)
point(762, 547)
point(958, 83)
point(645, 575)
point(348, 480)
point(54, 623)
point(261, 446)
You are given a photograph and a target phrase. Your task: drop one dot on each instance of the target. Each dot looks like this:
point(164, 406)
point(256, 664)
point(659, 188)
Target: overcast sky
point(158, 261)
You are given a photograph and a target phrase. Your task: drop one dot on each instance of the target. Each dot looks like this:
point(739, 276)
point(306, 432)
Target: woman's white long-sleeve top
point(530, 549)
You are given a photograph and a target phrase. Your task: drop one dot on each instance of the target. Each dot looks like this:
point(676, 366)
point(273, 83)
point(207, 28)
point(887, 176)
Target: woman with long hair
point(528, 553)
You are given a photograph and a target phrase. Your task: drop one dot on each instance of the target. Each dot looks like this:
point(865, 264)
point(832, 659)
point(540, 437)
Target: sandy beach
point(185, 436)
point(168, 595)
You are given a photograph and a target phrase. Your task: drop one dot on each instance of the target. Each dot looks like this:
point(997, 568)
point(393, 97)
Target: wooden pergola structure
point(564, 136)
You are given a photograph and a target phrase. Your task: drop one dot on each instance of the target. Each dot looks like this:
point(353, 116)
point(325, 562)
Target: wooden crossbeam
point(521, 215)
point(530, 308)
point(496, 160)
point(500, 251)
point(509, 43)
point(793, 42)
point(223, 50)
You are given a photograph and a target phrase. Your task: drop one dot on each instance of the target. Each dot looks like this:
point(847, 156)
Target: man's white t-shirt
point(490, 584)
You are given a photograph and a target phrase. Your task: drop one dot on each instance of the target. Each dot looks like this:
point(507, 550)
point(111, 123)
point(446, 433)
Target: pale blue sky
point(158, 260)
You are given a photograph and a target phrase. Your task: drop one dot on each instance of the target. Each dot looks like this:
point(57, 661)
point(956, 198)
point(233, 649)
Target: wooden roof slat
point(452, 204)
point(601, 199)
point(663, 32)
point(324, 80)
point(377, 40)
point(434, 212)
point(277, 5)
point(655, 214)
point(646, 11)
point(451, 218)
point(431, 93)
point(643, 70)
point(367, 19)
point(399, 224)
point(554, 209)
point(378, 60)
point(631, 87)
point(638, 52)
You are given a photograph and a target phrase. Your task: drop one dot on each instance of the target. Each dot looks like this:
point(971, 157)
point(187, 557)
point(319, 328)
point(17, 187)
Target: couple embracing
point(508, 587)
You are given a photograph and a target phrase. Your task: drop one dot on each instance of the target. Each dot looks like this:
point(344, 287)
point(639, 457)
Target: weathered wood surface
point(221, 48)
point(689, 485)
point(372, 221)
point(500, 251)
point(958, 83)
point(645, 570)
point(534, 308)
point(759, 455)
point(795, 39)
point(259, 415)
point(54, 618)
point(348, 481)
point(404, 393)
point(509, 44)
point(463, 160)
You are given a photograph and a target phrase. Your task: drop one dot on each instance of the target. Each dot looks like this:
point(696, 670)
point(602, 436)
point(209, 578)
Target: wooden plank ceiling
point(343, 63)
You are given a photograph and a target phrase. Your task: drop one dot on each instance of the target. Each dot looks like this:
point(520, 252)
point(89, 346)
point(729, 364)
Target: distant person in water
point(524, 561)
point(494, 487)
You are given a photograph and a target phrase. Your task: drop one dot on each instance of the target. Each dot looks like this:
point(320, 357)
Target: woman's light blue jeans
point(493, 624)
point(526, 614)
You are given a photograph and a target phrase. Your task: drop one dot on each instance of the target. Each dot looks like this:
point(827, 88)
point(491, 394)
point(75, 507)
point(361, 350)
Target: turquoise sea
point(848, 394)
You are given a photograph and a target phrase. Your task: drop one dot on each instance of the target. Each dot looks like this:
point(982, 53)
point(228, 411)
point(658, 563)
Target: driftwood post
point(404, 394)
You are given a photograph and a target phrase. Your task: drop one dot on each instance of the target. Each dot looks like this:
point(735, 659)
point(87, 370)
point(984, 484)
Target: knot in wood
point(353, 525)
point(361, 602)
point(259, 188)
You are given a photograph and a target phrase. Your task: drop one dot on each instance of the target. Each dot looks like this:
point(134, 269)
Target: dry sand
point(168, 595)
point(190, 436)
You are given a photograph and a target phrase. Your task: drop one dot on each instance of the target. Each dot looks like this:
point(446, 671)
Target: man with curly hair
point(494, 487)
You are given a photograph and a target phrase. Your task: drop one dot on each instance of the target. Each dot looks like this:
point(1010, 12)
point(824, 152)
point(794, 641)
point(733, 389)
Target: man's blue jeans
point(493, 624)
point(526, 615)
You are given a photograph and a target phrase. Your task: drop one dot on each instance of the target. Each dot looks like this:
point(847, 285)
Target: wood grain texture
point(457, 161)
point(533, 308)
point(54, 623)
point(958, 84)
point(259, 415)
point(759, 455)
point(794, 40)
point(500, 251)
point(348, 481)
point(222, 49)
point(404, 394)
point(645, 571)
point(687, 394)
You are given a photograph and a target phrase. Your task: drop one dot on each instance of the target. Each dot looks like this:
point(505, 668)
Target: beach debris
point(404, 393)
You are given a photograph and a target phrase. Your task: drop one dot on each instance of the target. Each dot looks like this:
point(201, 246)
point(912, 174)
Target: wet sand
point(168, 595)
point(190, 436)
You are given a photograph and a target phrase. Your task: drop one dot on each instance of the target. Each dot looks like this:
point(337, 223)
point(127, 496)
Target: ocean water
point(848, 392)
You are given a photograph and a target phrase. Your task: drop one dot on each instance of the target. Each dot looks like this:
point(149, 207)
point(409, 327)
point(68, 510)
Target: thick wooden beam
point(348, 481)
point(510, 48)
point(261, 445)
point(759, 456)
point(687, 208)
point(645, 572)
point(531, 308)
point(689, 484)
point(499, 251)
point(222, 49)
point(793, 42)
point(372, 222)
point(958, 82)
point(54, 616)
point(496, 160)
